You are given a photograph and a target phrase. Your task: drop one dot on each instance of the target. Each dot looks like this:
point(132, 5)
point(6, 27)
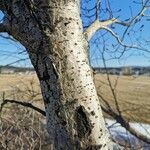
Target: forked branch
point(25, 104)
point(97, 25)
point(121, 42)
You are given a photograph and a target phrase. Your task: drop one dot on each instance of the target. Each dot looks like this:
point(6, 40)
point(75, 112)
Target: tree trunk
point(58, 51)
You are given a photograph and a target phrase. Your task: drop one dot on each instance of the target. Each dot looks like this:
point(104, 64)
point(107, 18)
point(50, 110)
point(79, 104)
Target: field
point(132, 94)
point(22, 127)
point(22, 88)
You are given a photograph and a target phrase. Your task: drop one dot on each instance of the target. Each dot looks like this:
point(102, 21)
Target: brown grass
point(22, 127)
point(21, 87)
point(133, 94)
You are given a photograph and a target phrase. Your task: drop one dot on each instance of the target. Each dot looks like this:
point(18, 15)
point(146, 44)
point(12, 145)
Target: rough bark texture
point(53, 35)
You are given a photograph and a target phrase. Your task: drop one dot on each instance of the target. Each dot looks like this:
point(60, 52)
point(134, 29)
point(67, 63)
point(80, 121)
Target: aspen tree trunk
point(54, 37)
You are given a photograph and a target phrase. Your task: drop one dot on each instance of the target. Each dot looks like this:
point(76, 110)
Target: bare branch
point(25, 104)
point(97, 8)
point(123, 44)
point(91, 30)
point(126, 125)
point(111, 87)
point(137, 17)
point(97, 25)
point(8, 37)
point(127, 24)
point(2, 5)
point(17, 61)
point(3, 27)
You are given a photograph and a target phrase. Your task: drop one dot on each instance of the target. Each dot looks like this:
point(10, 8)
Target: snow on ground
point(119, 133)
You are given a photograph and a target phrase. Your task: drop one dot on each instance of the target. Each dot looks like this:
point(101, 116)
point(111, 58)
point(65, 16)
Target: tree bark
point(53, 35)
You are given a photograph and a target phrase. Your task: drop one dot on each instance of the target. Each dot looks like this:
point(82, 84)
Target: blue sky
point(123, 10)
point(11, 51)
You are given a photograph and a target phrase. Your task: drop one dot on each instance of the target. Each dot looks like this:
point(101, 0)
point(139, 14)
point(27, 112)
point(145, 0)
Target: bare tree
point(53, 35)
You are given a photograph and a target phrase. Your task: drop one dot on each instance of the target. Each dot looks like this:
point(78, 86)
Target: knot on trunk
point(84, 126)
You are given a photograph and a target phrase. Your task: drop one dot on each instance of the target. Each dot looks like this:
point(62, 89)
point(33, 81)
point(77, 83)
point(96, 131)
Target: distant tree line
point(12, 69)
point(128, 70)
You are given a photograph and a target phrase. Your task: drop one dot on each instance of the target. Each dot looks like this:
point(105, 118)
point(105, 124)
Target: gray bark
point(53, 35)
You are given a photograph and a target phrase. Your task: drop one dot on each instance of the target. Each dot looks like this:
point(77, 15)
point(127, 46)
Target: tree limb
point(25, 104)
point(126, 125)
point(3, 27)
point(136, 18)
point(95, 26)
point(123, 44)
point(2, 5)
point(91, 30)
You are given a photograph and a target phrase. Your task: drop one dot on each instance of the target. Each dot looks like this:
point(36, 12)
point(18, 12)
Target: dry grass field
point(133, 94)
point(8, 82)
point(21, 87)
point(22, 127)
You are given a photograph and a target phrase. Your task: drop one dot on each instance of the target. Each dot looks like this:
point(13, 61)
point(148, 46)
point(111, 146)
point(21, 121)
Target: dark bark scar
point(84, 125)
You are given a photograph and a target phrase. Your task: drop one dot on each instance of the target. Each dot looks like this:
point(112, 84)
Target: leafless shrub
point(22, 127)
